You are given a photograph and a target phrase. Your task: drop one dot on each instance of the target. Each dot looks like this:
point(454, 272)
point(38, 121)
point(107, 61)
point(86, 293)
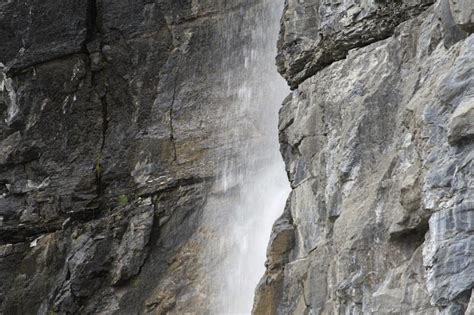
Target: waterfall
point(252, 187)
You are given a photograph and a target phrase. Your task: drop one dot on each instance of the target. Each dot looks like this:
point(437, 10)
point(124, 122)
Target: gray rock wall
point(111, 125)
point(111, 137)
point(378, 142)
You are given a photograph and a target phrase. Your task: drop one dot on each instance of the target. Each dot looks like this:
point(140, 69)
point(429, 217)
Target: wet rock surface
point(378, 148)
point(111, 133)
point(110, 139)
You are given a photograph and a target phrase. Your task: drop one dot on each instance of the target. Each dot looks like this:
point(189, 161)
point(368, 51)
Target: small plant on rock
point(122, 200)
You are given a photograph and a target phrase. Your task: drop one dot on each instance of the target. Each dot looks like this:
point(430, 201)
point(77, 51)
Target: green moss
point(98, 168)
point(135, 283)
point(122, 200)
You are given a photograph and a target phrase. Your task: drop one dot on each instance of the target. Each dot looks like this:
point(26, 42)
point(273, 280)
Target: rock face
point(378, 142)
point(316, 33)
point(111, 137)
point(115, 122)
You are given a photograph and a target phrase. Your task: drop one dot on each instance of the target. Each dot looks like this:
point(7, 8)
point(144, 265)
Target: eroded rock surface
point(316, 33)
point(379, 150)
point(110, 138)
point(111, 133)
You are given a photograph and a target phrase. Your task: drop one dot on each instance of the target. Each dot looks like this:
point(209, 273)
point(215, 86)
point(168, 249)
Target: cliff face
point(124, 149)
point(112, 135)
point(377, 137)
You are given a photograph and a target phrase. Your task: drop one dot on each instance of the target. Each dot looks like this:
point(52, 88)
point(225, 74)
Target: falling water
point(252, 187)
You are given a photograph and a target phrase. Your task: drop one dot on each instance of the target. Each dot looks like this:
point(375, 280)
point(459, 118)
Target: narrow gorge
point(231, 157)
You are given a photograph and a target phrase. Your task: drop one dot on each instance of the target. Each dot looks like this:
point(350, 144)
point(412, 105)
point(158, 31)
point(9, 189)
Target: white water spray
point(252, 188)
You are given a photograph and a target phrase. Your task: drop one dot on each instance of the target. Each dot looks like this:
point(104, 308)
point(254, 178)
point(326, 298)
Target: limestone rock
point(461, 126)
point(463, 14)
point(114, 121)
point(316, 33)
point(269, 290)
point(132, 251)
point(448, 253)
point(379, 154)
point(111, 118)
point(470, 308)
point(39, 31)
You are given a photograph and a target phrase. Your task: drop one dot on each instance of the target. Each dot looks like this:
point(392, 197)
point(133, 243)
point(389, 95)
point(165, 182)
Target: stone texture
point(463, 13)
point(132, 251)
point(38, 31)
point(111, 119)
point(270, 286)
point(448, 253)
point(316, 33)
point(462, 122)
point(378, 149)
point(470, 308)
point(111, 134)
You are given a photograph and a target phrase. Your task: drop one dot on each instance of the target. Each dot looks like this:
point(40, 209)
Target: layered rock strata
point(378, 142)
point(111, 132)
